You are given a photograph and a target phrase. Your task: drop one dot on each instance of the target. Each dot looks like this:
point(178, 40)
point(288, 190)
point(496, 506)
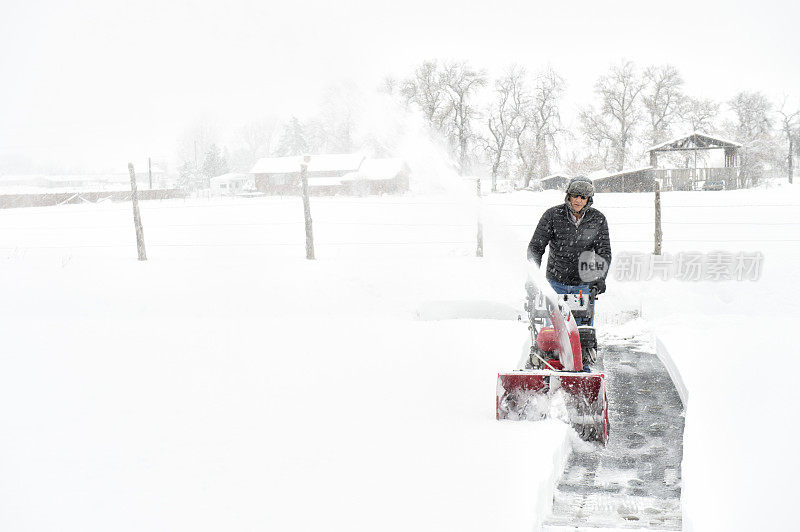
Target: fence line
point(245, 203)
point(403, 243)
point(335, 202)
point(373, 224)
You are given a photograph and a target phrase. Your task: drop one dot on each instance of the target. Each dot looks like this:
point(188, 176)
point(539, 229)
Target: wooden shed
point(636, 180)
point(692, 176)
point(554, 182)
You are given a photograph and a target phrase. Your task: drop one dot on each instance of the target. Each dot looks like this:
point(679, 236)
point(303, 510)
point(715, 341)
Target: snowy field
point(229, 384)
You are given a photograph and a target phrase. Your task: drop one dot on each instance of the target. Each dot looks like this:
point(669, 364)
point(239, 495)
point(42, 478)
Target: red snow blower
point(555, 379)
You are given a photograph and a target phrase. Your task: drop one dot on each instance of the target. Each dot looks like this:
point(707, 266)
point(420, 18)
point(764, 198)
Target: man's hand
point(599, 285)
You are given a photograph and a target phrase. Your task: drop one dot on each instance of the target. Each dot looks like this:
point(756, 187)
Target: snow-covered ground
point(229, 384)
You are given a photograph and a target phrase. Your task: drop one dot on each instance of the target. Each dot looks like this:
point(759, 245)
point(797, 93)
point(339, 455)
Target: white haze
point(90, 85)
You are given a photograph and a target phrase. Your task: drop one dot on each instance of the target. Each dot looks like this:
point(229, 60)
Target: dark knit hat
point(580, 186)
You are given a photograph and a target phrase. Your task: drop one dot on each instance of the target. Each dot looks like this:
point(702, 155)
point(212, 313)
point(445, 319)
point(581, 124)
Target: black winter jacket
point(568, 242)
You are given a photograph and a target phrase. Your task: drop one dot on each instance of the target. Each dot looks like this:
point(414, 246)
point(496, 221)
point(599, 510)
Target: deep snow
point(227, 383)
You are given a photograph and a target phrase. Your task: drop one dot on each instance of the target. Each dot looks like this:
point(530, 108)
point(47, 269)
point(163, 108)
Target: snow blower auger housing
point(555, 378)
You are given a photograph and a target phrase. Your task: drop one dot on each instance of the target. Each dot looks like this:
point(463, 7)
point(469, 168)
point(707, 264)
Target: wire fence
point(168, 226)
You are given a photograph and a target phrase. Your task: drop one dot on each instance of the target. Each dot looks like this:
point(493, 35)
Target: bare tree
point(663, 100)
point(333, 129)
point(613, 127)
point(546, 119)
point(196, 140)
point(790, 128)
point(699, 114)
point(254, 141)
point(599, 137)
point(389, 85)
point(503, 115)
point(540, 122)
point(461, 82)
point(576, 163)
point(426, 89)
point(753, 128)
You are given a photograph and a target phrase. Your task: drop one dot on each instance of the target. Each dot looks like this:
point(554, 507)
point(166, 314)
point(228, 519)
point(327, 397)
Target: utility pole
point(307, 207)
point(137, 221)
point(150, 171)
point(658, 234)
point(479, 249)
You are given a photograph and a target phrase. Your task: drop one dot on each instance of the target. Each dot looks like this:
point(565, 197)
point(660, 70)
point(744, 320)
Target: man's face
point(578, 202)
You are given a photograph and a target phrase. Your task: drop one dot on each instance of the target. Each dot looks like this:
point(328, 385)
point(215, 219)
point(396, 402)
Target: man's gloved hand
point(599, 285)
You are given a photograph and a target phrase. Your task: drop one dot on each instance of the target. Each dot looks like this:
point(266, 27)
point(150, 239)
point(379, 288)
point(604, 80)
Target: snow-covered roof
point(347, 162)
point(696, 139)
point(378, 170)
point(624, 172)
point(596, 174)
point(227, 178)
point(50, 181)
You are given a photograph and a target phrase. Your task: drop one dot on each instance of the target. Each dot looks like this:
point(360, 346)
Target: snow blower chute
point(555, 379)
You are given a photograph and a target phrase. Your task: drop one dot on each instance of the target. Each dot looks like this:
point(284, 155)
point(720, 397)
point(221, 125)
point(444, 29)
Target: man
point(580, 247)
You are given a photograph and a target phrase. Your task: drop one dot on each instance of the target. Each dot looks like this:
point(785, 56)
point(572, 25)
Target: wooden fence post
point(307, 207)
point(658, 233)
point(137, 221)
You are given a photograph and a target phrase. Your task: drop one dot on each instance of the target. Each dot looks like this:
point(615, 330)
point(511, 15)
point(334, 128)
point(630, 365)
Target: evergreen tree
point(215, 163)
point(188, 177)
point(294, 140)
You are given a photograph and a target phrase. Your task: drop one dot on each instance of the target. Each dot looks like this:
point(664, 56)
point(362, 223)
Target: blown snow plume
point(554, 379)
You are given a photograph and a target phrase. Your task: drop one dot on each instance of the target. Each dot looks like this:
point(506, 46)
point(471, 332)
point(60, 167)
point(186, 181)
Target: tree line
point(519, 133)
point(510, 126)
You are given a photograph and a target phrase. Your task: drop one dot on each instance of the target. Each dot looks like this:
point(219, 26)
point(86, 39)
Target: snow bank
point(227, 383)
point(223, 394)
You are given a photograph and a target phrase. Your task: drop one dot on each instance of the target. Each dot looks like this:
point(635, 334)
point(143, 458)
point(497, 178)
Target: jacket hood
point(569, 205)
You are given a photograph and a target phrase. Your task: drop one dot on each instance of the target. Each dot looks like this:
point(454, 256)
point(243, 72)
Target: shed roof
point(227, 178)
point(623, 172)
point(694, 141)
point(381, 169)
point(346, 162)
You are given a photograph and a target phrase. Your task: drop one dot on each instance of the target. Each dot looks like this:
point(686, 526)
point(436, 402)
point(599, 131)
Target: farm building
point(281, 175)
point(231, 184)
point(554, 182)
point(379, 176)
point(332, 174)
point(636, 180)
point(695, 149)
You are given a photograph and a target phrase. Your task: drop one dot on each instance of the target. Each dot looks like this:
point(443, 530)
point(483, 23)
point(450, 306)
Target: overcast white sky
point(100, 82)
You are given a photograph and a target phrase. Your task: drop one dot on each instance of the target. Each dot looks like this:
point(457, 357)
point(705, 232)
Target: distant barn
point(281, 175)
point(378, 176)
point(332, 174)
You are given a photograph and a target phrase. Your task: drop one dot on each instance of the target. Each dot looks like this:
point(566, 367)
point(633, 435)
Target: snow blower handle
point(597, 287)
point(593, 291)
